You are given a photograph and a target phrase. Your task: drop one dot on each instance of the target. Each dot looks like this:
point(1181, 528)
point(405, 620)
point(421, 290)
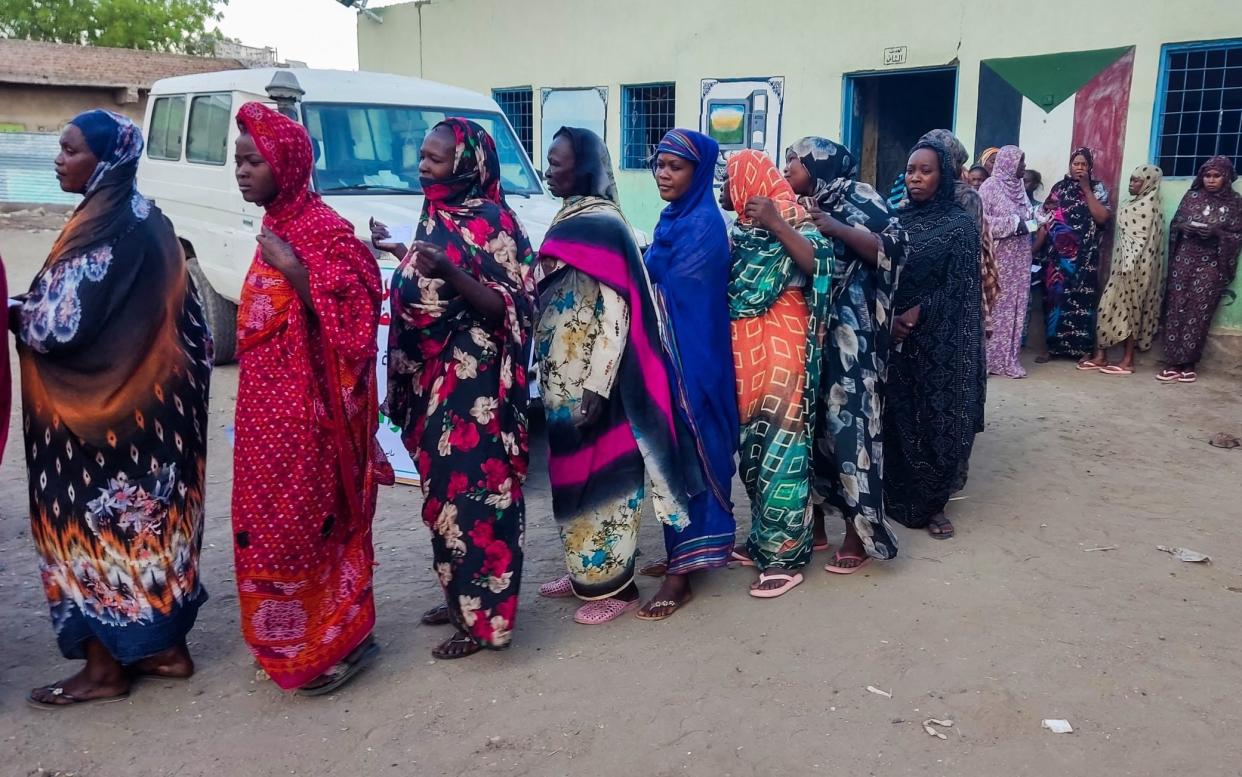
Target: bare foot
point(852, 552)
point(819, 533)
point(939, 527)
point(174, 663)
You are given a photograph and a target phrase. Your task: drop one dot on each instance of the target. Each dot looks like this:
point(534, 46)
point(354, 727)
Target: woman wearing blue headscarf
point(689, 262)
point(116, 363)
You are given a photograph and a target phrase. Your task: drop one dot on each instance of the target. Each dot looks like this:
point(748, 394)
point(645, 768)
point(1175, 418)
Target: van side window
point(208, 138)
point(167, 121)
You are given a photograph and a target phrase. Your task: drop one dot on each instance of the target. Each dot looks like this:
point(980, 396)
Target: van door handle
point(248, 222)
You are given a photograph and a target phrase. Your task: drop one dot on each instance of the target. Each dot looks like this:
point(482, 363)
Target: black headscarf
point(946, 192)
point(592, 164)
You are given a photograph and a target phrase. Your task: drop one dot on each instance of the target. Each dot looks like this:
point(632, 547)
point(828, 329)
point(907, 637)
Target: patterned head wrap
point(752, 173)
point(957, 150)
point(681, 143)
point(476, 167)
point(286, 147)
point(1004, 191)
point(112, 204)
point(1086, 154)
point(1219, 164)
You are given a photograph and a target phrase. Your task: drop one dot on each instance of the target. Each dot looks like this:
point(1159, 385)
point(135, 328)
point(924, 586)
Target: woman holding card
point(1203, 259)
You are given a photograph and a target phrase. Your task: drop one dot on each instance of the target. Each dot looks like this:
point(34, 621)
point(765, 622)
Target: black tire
point(221, 315)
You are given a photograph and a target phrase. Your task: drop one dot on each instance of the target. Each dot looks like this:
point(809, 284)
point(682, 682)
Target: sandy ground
point(1010, 623)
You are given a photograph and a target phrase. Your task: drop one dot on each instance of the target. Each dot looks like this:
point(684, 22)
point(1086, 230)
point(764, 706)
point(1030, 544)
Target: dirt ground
point(1024, 616)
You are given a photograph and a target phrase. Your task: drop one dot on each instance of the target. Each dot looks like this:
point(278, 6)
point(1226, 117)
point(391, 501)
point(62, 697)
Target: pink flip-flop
point(603, 610)
point(1115, 369)
point(740, 560)
point(1086, 365)
point(1168, 376)
point(1187, 377)
point(791, 582)
point(821, 548)
point(560, 588)
point(839, 570)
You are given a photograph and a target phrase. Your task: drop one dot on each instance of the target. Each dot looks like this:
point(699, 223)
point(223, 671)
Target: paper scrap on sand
point(927, 726)
point(878, 692)
point(1183, 554)
point(1058, 726)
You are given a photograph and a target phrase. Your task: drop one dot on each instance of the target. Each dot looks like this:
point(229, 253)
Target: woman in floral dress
point(1076, 210)
point(868, 247)
point(463, 304)
point(1007, 211)
point(612, 426)
point(116, 365)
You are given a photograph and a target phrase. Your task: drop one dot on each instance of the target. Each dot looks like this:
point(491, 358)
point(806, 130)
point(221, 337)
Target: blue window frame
point(1198, 106)
point(647, 113)
point(518, 106)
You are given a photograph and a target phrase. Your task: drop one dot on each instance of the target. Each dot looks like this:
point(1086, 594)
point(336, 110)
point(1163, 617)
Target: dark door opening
point(887, 113)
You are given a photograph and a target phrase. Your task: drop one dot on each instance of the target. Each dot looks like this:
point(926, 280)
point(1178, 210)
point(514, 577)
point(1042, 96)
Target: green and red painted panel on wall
point(1054, 103)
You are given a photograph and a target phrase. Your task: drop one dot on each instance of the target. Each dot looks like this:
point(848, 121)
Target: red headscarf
point(338, 264)
point(752, 173)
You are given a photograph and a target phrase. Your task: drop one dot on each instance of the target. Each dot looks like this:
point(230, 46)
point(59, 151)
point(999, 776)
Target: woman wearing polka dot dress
point(306, 463)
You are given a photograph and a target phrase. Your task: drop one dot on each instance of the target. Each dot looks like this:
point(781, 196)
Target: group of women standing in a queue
point(116, 427)
point(830, 349)
point(1064, 236)
point(765, 343)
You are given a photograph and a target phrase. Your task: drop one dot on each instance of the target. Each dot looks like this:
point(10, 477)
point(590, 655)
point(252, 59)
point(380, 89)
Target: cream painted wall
point(484, 44)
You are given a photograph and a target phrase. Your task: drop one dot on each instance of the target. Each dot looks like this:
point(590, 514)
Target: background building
point(1137, 80)
point(44, 85)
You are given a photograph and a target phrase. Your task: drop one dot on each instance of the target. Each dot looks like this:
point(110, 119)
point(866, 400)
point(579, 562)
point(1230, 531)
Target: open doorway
point(886, 114)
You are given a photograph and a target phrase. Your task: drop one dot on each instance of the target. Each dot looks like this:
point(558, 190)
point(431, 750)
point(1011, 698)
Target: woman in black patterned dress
point(937, 376)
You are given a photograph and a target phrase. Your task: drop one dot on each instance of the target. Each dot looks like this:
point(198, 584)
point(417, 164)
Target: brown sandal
point(444, 651)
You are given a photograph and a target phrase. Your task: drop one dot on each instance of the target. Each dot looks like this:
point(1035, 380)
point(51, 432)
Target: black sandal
point(57, 692)
point(442, 651)
point(342, 672)
point(436, 616)
point(944, 529)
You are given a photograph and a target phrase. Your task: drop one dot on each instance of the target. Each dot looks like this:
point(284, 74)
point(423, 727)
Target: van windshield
point(365, 149)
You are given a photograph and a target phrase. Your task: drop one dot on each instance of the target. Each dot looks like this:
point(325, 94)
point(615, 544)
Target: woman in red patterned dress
point(306, 464)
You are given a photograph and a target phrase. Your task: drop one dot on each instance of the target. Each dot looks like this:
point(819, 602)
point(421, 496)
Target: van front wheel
point(221, 315)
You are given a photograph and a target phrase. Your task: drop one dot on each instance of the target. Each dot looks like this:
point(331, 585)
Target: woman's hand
point(380, 238)
point(1201, 231)
point(278, 253)
point(904, 324)
point(825, 223)
point(763, 211)
point(590, 411)
point(431, 262)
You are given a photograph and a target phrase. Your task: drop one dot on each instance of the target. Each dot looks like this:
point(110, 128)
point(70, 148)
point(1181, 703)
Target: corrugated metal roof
point(26, 173)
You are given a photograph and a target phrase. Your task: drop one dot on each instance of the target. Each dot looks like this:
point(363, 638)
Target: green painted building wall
point(811, 44)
